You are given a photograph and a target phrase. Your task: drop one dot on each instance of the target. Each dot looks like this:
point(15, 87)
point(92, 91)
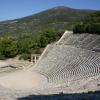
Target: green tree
point(8, 48)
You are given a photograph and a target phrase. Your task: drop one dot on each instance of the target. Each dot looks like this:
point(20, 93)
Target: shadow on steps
point(79, 96)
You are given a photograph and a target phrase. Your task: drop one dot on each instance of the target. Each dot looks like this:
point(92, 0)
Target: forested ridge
point(58, 18)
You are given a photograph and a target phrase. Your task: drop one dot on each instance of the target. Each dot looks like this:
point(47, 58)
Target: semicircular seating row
point(71, 60)
point(84, 40)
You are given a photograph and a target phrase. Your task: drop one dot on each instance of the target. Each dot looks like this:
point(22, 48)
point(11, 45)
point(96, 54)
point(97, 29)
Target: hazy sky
point(11, 9)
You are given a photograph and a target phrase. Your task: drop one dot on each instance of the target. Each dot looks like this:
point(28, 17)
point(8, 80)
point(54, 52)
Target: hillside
point(61, 18)
point(90, 24)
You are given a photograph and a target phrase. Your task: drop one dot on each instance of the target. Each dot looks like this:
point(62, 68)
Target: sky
point(13, 9)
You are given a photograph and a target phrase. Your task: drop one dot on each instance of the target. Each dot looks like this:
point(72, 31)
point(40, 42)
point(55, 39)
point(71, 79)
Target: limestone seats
point(66, 62)
point(83, 40)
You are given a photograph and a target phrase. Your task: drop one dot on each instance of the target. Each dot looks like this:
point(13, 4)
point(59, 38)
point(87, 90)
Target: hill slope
point(61, 18)
point(90, 24)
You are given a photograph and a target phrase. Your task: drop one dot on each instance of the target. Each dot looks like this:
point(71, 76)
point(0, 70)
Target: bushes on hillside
point(25, 46)
point(8, 48)
point(88, 28)
point(90, 24)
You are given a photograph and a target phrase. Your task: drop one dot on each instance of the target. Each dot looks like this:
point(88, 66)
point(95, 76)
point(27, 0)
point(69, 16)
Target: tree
point(8, 48)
